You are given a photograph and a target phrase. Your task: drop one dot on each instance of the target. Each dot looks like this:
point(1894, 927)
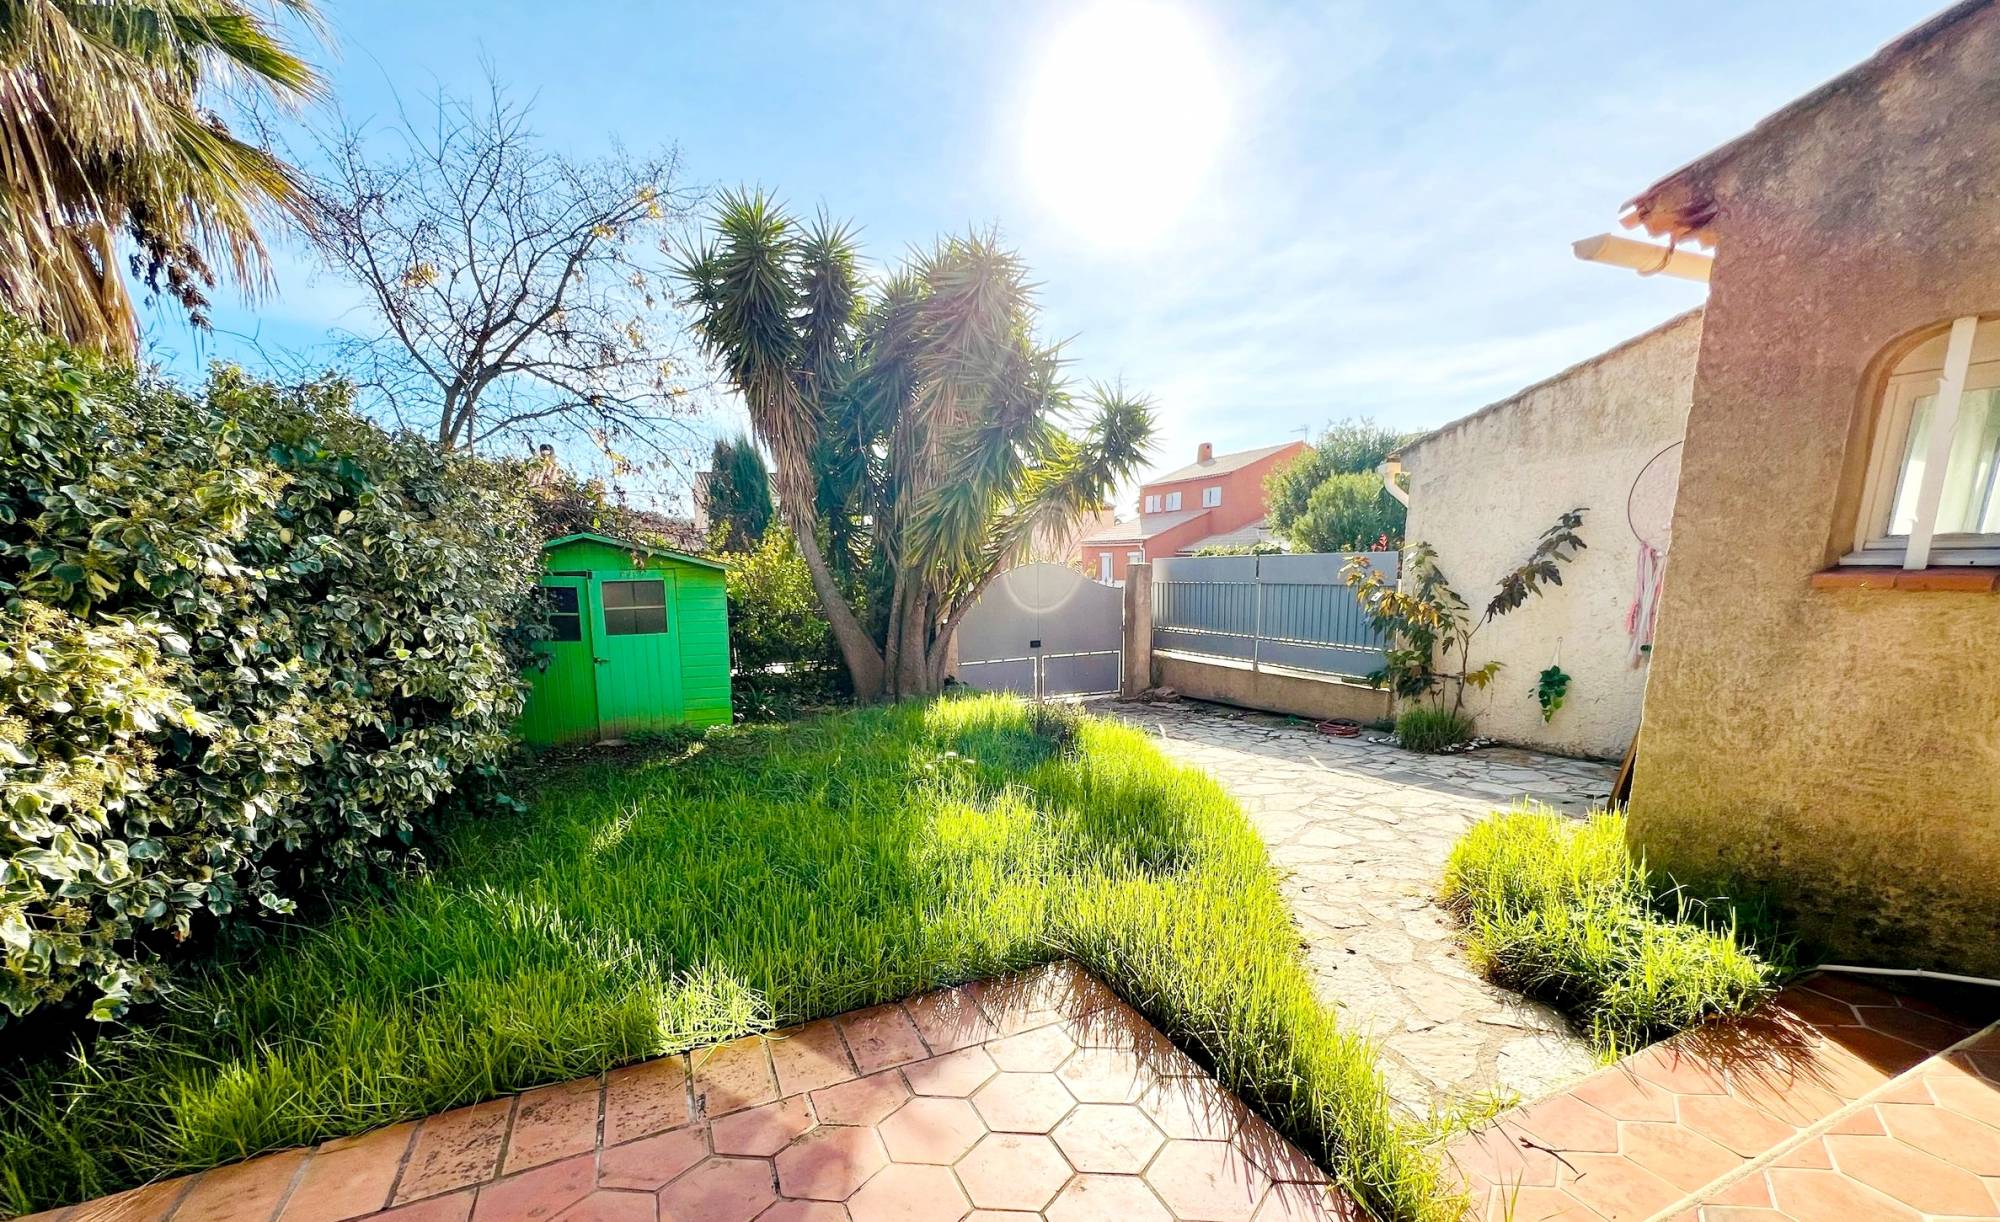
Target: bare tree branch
point(519, 295)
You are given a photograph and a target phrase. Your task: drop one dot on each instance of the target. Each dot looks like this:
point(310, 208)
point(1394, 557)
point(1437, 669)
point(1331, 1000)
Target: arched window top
point(1933, 491)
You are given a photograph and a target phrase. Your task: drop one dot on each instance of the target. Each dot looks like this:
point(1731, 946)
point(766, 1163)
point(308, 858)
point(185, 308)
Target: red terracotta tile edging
point(1840, 1100)
point(1039, 1094)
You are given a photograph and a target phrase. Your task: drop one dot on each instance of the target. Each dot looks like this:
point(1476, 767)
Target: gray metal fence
point(1286, 611)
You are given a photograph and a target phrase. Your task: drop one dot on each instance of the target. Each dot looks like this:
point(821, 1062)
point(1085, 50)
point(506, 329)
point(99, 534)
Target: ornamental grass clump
point(1559, 908)
point(247, 641)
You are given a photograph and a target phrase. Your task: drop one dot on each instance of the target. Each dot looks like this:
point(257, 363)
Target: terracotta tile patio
point(1841, 1101)
point(1036, 1096)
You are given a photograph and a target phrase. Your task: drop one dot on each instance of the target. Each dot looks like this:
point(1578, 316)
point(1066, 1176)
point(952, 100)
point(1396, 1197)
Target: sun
point(1125, 118)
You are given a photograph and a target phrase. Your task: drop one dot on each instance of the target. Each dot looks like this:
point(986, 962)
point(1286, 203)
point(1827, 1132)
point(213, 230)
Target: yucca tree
point(105, 131)
point(920, 428)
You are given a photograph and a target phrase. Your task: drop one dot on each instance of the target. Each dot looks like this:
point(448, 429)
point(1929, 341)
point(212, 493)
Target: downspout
point(1391, 468)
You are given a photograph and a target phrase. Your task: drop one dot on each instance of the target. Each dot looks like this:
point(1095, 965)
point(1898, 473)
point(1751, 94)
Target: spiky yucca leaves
point(104, 132)
point(919, 430)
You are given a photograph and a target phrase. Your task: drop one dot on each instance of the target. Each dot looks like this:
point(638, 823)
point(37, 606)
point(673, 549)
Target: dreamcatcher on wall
point(1649, 511)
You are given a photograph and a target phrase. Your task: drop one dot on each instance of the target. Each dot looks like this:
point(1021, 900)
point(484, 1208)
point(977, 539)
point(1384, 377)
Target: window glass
point(565, 617)
point(1211, 497)
point(634, 608)
point(1152, 504)
point(1173, 501)
point(1970, 504)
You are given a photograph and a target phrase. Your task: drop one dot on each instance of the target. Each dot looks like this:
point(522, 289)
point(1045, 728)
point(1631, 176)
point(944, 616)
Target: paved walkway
point(1361, 830)
point(1039, 1096)
point(1840, 1101)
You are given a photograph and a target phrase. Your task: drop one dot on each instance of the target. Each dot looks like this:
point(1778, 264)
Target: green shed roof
point(586, 536)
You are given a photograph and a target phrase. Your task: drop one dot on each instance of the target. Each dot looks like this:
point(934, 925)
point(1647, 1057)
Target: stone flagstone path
point(1360, 831)
point(1040, 1096)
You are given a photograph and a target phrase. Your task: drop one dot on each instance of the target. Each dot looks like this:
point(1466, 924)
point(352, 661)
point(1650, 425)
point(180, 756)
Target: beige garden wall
point(1483, 488)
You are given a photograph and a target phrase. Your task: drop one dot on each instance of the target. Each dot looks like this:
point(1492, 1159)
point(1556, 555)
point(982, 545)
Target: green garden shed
point(639, 641)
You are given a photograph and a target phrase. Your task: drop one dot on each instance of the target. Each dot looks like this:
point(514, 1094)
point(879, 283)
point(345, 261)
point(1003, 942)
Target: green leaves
point(247, 642)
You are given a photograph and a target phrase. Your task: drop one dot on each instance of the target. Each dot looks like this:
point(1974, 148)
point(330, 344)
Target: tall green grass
point(777, 875)
point(1431, 730)
point(1561, 909)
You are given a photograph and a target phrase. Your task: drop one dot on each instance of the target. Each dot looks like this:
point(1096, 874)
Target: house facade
point(1483, 488)
point(1822, 721)
point(1217, 500)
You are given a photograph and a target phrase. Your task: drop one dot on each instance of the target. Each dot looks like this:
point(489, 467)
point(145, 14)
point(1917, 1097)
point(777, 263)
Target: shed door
point(562, 703)
point(638, 653)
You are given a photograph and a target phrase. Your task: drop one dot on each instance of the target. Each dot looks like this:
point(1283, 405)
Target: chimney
point(1204, 453)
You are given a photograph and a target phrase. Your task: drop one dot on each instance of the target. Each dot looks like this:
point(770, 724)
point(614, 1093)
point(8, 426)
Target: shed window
point(1933, 491)
point(565, 616)
point(635, 608)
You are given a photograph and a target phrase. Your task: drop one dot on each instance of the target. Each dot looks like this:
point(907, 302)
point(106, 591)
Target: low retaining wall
point(1319, 697)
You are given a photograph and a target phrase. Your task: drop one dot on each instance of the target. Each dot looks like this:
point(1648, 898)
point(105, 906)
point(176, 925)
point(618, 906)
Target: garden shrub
point(250, 639)
point(780, 644)
point(1560, 909)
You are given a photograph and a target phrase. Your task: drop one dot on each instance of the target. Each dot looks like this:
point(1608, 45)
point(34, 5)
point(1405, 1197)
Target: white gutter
point(1389, 470)
point(1646, 258)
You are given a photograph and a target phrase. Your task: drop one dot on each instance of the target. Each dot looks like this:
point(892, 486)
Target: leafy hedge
point(249, 638)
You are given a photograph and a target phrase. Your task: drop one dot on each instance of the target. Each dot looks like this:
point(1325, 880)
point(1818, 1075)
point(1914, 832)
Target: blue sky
point(1379, 225)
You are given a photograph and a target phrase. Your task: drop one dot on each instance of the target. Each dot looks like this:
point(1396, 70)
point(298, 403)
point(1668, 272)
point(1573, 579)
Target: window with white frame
point(1932, 495)
point(1135, 557)
point(1152, 504)
point(1211, 497)
point(1173, 501)
point(1104, 567)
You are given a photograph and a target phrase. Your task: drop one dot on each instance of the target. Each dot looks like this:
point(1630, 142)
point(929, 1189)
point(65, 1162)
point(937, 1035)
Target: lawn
point(775, 874)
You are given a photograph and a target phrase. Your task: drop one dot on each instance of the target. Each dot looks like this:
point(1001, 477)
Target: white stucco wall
point(1482, 489)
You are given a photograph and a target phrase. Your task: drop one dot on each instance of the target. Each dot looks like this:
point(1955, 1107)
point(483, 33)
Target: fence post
point(1138, 658)
point(1257, 630)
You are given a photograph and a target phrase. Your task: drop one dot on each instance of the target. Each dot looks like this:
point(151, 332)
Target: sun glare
point(1125, 119)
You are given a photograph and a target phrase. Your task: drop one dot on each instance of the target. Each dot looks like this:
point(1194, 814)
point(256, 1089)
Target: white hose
point(1925, 973)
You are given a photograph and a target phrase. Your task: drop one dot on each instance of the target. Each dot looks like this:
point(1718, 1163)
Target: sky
point(1264, 216)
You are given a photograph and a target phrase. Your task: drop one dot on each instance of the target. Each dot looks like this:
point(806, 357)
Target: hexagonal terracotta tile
point(541, 1193)
point(1039, 1050)
point(1909, 1175)
point(1209, 1180)
point(931, 1129)
point(954, 1073)
point(949, 1019)
point(1192, 1109)
point(829, 1163)
point(649, 1162)
point(719, 1190)
point(1101, 1075)
point(862, 1101)
point(645, 1098)
point(1013, 1171)
point(1095, 1198)
point(1108, 1137)
point(801, 1211)
point(909, 1192)
point(612, 1205)
point(762, 1131)
point(1023, 1102)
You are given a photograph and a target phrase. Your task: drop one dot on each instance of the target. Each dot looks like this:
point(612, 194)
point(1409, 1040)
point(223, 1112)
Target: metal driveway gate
point(1294, 612)
point(1043, 629)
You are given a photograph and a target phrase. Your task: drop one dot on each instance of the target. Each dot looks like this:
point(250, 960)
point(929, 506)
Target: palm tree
point(917, 430)
point(104, 132)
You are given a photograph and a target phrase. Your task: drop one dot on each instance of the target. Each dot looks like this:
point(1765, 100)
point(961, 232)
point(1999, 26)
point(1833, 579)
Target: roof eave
point(636, 546)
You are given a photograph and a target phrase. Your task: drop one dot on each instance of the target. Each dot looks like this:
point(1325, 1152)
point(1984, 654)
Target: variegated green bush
point(250, 641)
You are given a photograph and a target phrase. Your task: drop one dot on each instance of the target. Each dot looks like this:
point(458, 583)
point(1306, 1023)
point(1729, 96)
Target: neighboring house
point(1483, 488)
point(1823, 716)
point(1217, 499)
